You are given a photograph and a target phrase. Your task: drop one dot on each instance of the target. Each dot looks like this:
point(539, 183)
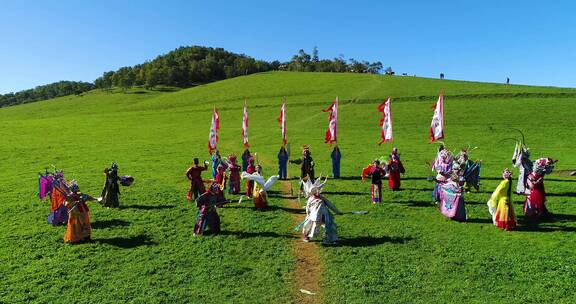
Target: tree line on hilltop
point(57, 89)
point(190, 66)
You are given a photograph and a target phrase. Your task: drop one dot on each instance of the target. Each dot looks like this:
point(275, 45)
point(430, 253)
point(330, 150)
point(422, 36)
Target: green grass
point(403, 251)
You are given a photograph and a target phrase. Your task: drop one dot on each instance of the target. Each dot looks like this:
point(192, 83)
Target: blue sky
point(532, 42)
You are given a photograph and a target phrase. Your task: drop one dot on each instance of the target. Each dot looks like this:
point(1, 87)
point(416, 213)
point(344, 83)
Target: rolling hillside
point(401, 251)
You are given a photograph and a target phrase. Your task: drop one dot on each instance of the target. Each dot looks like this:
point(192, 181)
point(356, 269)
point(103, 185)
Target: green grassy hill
point(402, 251)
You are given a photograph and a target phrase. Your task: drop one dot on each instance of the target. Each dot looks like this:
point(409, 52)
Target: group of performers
point(458, 174)
point(455, 175)
point(68, 205)
point(207, 201)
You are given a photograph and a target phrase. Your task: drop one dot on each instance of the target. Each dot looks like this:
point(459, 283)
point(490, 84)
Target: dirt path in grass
point(307, 273)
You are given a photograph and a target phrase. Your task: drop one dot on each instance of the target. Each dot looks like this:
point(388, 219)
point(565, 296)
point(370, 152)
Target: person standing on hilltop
point(194, 174)
point(336, 156)
point(282, 162)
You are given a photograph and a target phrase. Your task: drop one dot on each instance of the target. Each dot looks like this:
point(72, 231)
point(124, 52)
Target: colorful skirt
point(505, 217)
point(79, 228)
point(452, 203)
point(534, 205)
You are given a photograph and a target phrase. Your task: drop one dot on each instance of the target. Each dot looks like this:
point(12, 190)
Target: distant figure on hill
point(441, 75)
point(507, 80)
point(336, 156)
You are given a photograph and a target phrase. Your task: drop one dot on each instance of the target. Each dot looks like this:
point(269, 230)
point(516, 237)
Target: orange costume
point(79, 228)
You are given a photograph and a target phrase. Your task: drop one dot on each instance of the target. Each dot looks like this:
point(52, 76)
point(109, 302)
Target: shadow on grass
point(109, 224)
point(562, 194)
point(128, 242)
point(479, 220)
point(351, 193)
point(146, 207)
point(537, 228)
point(368, 241)
point(247, 234)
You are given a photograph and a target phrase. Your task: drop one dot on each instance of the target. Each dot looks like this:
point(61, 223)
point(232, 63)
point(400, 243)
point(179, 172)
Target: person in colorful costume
point(283, 162)
point(500, 204)
point(535, 203)
point(394, 169)
point(58, 211)
point(79, 228)
point(207, 217)
point(251, 168)
point(234, 168)
point(443, 167)
point(336, 156)
point(221, 176)
point(451, 195)
point(216, 160)
point(194, 174)
point(318, 213)
point(376, 173)
point(471, 169)
point(259, 194)
point(246, 156)
point(111, 190)
point(521, 160)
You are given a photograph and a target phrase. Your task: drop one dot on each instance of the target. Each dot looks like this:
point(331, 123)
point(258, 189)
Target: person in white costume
point(318, 213)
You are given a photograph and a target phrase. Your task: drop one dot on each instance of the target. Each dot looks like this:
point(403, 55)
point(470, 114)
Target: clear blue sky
point(532, 42)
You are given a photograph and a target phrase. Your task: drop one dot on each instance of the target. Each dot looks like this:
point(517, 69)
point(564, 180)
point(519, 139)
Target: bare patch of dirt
point(308, 270)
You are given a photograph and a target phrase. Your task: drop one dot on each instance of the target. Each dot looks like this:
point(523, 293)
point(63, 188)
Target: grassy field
point(402, 251)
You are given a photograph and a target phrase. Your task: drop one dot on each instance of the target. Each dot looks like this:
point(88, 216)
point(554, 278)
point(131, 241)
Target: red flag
point(245, 126)
point(332, 122)
point(437, 125)
point(385, 122)
point(282, 121)
point(214, 127)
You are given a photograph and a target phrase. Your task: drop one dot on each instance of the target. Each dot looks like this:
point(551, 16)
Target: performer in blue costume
point(216, 160)
point(336, 156)
point(282, 162)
